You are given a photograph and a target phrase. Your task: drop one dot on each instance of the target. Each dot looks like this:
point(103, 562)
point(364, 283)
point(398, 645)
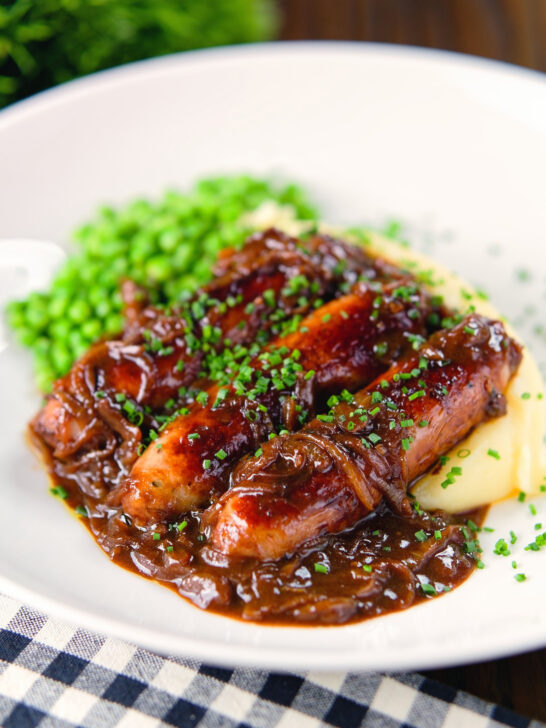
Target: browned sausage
point(162, 351)
point(328, 476)
point(344, 344)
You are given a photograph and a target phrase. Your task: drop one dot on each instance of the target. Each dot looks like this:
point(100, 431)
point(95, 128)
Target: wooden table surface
point(506, 30)
point(517, 683)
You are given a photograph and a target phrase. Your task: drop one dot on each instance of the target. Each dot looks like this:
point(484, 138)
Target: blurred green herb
point(45, 42)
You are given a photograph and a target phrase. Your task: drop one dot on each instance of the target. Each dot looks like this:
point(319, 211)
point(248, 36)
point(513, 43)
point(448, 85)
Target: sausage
point(344, 344)
point(325, 478)
point(162, 351)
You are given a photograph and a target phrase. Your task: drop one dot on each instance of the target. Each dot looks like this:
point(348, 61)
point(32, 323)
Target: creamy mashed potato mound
point(518, 462)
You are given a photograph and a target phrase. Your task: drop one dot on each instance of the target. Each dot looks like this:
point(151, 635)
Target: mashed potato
point(500, 457)
point(503, 456)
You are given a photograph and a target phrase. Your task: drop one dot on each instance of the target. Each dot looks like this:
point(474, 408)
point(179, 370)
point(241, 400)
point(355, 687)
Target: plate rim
point(119, 74)
point(221, 654)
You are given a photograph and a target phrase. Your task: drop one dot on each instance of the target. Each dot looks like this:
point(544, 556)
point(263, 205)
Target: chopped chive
point(325, 418)
point(493, 454)
point(59, 491)
point(321, 568)
point(501, 548)
point(428, 589)
point(269, 297)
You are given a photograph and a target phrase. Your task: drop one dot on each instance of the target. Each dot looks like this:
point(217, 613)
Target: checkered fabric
point(55, 675)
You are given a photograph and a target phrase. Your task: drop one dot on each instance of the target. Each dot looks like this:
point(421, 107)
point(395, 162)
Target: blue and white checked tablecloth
point(53, 675)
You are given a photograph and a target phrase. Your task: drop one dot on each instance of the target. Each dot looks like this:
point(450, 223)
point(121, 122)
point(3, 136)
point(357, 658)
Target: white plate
point(454, 145)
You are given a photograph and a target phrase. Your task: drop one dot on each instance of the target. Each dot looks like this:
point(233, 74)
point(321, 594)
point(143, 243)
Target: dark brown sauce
point(90, 440)
point(375, 568)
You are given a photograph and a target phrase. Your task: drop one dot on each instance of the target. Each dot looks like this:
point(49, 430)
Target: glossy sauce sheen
point(381, 552)
point(291, 590)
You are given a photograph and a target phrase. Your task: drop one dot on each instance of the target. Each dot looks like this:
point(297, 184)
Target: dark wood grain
point(507, 30)
point(517, 683)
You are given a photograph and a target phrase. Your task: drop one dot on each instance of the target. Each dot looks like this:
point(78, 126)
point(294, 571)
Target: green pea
point(79, 311)
point(230, 212)
point(61, 357)
point(44, 378)
point(114, 324)
point(140, 252)
point(187, 283)
point(25, 335)
point(110, 279)
point(90, 273)
point(159, 268)
point(182, 257)
point(116, 299)
point(120, 266)
point(103, 308)
point(15, 312)
point(202, 269)
point(41, 347)
point(169, 240)
point(58, 305)
point(213, 244)
point(37, 317)
point(80, 349)
point(15, 307)
point(36, 300)
point(113, 249)
point(60, 329)
point(96, 295)
point(92, 329)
